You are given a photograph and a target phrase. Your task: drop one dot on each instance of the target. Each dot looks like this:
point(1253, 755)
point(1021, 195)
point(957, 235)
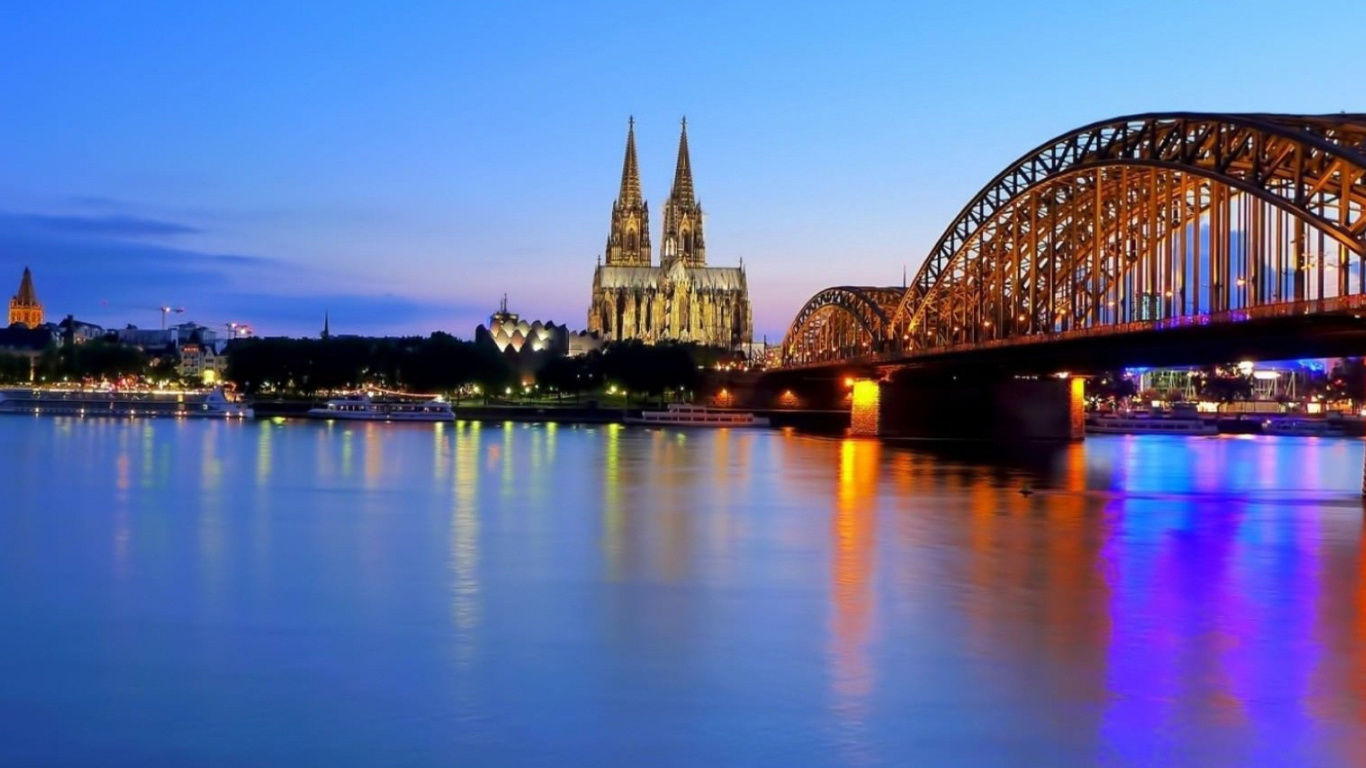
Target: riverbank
point(566, 414)
point(816, 421)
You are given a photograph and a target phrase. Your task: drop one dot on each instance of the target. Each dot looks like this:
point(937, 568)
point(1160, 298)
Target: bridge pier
point(1022, 409)
point(865, 409)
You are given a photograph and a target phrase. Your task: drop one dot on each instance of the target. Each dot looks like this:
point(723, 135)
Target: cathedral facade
point(24, 307)
point(682, 298)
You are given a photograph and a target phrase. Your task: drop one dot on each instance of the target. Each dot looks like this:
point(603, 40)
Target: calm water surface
point(192, 593)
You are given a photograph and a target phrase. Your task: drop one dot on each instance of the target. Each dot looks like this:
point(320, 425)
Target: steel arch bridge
point(1134, 224)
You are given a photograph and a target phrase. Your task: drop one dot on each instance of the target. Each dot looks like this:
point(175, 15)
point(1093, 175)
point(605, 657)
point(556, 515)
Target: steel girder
point(1148, 219)
point(842, 320)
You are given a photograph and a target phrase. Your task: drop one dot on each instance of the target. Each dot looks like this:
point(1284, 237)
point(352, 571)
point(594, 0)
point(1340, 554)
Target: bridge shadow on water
point(1029, 466)
point(1151, 470)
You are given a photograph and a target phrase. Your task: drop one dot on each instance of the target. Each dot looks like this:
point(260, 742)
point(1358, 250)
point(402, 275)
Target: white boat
point(1147, 424)
point(684, 415)
point(126, 403)
point(362, 408)
point(1308, 427)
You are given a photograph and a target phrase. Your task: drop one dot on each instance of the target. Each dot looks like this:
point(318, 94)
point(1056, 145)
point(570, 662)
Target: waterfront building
point(165, 340)
point(202, 361)
point(507, 331)
point(24, 307)
point(583, 342)
point(682, 298)
point(73, 331)
point(526, 346)
point(153, 340)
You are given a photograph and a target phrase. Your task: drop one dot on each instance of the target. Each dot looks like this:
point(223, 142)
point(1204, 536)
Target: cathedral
point(24, 308)
point(682, 299)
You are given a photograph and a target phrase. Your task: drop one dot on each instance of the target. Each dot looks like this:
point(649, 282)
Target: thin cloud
point(104, 278)
point(101, 226)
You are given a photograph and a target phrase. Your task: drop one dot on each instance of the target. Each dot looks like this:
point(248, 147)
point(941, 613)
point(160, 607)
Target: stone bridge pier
point(950, 407)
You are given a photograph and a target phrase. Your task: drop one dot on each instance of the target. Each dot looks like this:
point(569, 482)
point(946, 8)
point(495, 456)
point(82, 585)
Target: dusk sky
point(403, 167)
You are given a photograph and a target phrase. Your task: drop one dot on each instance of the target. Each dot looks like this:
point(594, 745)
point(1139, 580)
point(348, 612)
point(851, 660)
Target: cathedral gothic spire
point(630, 168)
point(628, 243)
point(682, 191)
point(683, 240)
point(24, 308)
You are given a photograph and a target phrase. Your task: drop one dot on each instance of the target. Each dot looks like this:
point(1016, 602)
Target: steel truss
point(1128, 224)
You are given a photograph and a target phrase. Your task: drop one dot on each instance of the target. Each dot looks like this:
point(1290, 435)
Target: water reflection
point(465, 542)
point(613, 524)
point(525, 593)
point(853, 529)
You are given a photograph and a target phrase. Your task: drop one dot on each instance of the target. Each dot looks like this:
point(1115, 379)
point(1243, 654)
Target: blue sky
point(403, 165)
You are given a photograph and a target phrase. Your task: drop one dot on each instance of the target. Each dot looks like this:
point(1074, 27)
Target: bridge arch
point(841, 321)
point(1143, 221)
point(1096, 204)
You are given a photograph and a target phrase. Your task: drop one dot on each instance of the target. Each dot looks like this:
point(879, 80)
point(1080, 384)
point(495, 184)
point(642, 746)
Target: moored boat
point(684, 415)
point(1304, 427)
point(362, 408)
point(1150, 424)
point(123, 403)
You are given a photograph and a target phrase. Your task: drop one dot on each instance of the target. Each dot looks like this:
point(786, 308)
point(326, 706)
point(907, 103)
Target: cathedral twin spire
point(630, 169)
point(628, 244)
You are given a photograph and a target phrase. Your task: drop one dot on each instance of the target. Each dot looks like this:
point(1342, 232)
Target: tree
point(1113, 385)
point(1225, 384)
point(440, 363)
point(15, 369)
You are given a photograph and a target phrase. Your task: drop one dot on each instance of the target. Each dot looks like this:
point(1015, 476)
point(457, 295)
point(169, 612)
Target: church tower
point(628, 245)
point(683, 240)
point(25, 308)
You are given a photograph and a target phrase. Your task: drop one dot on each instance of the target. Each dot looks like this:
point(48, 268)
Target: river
point(293, 593)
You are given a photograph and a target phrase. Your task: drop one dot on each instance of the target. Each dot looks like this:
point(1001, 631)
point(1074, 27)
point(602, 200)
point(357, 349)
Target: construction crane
point(166, 311)
point(237, 330)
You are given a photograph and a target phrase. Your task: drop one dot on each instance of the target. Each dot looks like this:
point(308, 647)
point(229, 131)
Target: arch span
point(842, 321)
point(1144, 221)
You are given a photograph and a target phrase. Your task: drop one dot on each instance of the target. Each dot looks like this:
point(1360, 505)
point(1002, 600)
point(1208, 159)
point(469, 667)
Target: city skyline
point(273, 165)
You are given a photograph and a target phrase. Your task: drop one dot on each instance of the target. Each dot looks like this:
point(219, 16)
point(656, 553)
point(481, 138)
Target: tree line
point(443, 364)
point(305, 367)
point(98, 360)
point(633, 367)
point(439, 363)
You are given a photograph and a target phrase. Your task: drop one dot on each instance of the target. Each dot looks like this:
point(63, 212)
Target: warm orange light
point(865, 393)
point(848, 381)
point(864, 412)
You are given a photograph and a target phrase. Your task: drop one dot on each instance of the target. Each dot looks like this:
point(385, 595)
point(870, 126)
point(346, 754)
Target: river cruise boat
point(1150, 424)
point(68, 402)
point(684, 415)
point(362, 408)
point(1304, 427)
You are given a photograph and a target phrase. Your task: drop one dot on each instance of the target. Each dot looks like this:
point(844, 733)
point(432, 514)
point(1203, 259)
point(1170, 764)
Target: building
point(73, 331)
point(682, 299)
point(507, 331)
point(202, 361)
point(526, 346)
point(165, 340)
point(24, 308)
point(583, 342)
